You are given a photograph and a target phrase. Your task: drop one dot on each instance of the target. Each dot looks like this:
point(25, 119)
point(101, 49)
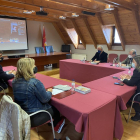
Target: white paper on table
point(56, 91)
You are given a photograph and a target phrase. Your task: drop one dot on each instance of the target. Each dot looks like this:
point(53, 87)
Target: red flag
point(44, 43)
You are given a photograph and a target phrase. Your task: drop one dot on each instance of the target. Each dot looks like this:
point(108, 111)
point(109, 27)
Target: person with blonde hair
point(134, 81)
point(100, 56)
point(32, 96)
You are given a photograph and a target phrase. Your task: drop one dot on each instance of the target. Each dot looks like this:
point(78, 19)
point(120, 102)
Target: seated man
point(100, 56)
point(129, 59)
point(4, 77)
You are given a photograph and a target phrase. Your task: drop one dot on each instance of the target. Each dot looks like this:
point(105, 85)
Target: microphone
point(114, 60)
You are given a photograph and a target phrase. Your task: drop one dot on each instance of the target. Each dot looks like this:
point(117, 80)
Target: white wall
point(90, 50)
point(35, 37)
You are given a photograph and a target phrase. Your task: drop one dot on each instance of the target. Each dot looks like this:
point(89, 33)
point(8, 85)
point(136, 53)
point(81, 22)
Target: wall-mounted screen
point(13, 33)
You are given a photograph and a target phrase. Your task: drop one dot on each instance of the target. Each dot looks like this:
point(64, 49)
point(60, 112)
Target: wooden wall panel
point(107, 19)
point(64, 33)
point(131, 34)
point(69, 24)
point(82, 27)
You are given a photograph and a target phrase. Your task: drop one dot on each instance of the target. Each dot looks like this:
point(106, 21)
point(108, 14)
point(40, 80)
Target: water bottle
point(120, 64)
point(84, 60)
point(129, 70)
point(73, 85)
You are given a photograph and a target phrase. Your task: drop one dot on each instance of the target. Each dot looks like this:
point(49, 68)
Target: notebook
point(82, 90)
point(62, 87)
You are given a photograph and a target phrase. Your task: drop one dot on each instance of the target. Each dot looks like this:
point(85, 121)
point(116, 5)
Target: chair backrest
point(39, 50)
point(111, 57)
point(123, 57)
point(12, 117)
point(49, 49)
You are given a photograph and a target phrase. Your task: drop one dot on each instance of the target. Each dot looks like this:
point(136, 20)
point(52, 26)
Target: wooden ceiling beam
point(79, 6)
point(20, 11)
point(90, 32)
point(78, 32)
point(119, 3)
point(48, 5)
point(137, 19)
point(25, 6)
point(25, 16)
point(60, 33)
point(109, 46)
point(118, 27)
point(65, 28)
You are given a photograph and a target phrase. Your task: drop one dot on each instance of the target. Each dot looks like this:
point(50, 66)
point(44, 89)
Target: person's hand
point(123, 64)
point(0, 55)
point(97, 61)
point(14, 72)
point(125, 76)
point(50, 89)
point(10, 71)
point(90, 60)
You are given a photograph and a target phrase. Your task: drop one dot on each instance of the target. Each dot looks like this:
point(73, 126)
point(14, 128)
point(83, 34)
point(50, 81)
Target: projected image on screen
point(13, 34)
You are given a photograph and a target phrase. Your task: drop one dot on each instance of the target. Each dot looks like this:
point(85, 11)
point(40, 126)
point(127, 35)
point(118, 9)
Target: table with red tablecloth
point(93, 113)
point(97, 114)
point(47, 81)
point(85, 72)
point(123, 94)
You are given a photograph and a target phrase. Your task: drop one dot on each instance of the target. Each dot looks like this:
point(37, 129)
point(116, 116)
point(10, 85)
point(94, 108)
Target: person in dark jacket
point(129, 59)
point(100, 56)
point(134, 81)
point(4, 77)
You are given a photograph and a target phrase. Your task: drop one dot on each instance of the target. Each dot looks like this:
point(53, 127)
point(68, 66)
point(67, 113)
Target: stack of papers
point(62, 87)
point(126, 67)
point(94, 63)
point(56, 91)
point(82, 90)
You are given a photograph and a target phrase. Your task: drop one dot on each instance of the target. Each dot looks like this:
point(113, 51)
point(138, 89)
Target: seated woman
point(31, 95)
point(4, 77)
point(134, 81)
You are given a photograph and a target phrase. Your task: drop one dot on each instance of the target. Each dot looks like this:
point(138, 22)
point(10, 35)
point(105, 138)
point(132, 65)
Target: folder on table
point(62, 87)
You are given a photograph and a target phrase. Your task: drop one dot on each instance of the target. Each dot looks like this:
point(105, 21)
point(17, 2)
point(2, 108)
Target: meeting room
point(69, 70)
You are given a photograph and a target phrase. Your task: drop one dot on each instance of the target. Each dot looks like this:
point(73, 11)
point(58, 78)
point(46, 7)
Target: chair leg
point(130, 112)
point(53, 129)
point(37, 129)
point(37, 132)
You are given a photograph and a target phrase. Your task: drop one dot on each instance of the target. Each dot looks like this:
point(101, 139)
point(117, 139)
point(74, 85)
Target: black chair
point(51, 121)
point(39, 50)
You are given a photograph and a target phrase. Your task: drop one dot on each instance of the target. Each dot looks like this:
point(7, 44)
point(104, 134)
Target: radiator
point(79, 56)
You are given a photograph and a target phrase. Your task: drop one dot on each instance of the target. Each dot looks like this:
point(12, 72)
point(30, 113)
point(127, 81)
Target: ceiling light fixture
point(75, 15)
point(62, 17)
point(28, 12)
point(109, 7)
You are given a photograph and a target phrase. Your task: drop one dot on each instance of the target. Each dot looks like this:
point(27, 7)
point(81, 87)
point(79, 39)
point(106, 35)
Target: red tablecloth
point(93, 113)
point(123, 94)
point(85, 72)
point(107, 85)
point(46, 80)
point(8, 68)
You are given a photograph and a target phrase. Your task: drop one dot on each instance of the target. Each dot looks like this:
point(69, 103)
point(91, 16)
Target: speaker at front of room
point(88, 13)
